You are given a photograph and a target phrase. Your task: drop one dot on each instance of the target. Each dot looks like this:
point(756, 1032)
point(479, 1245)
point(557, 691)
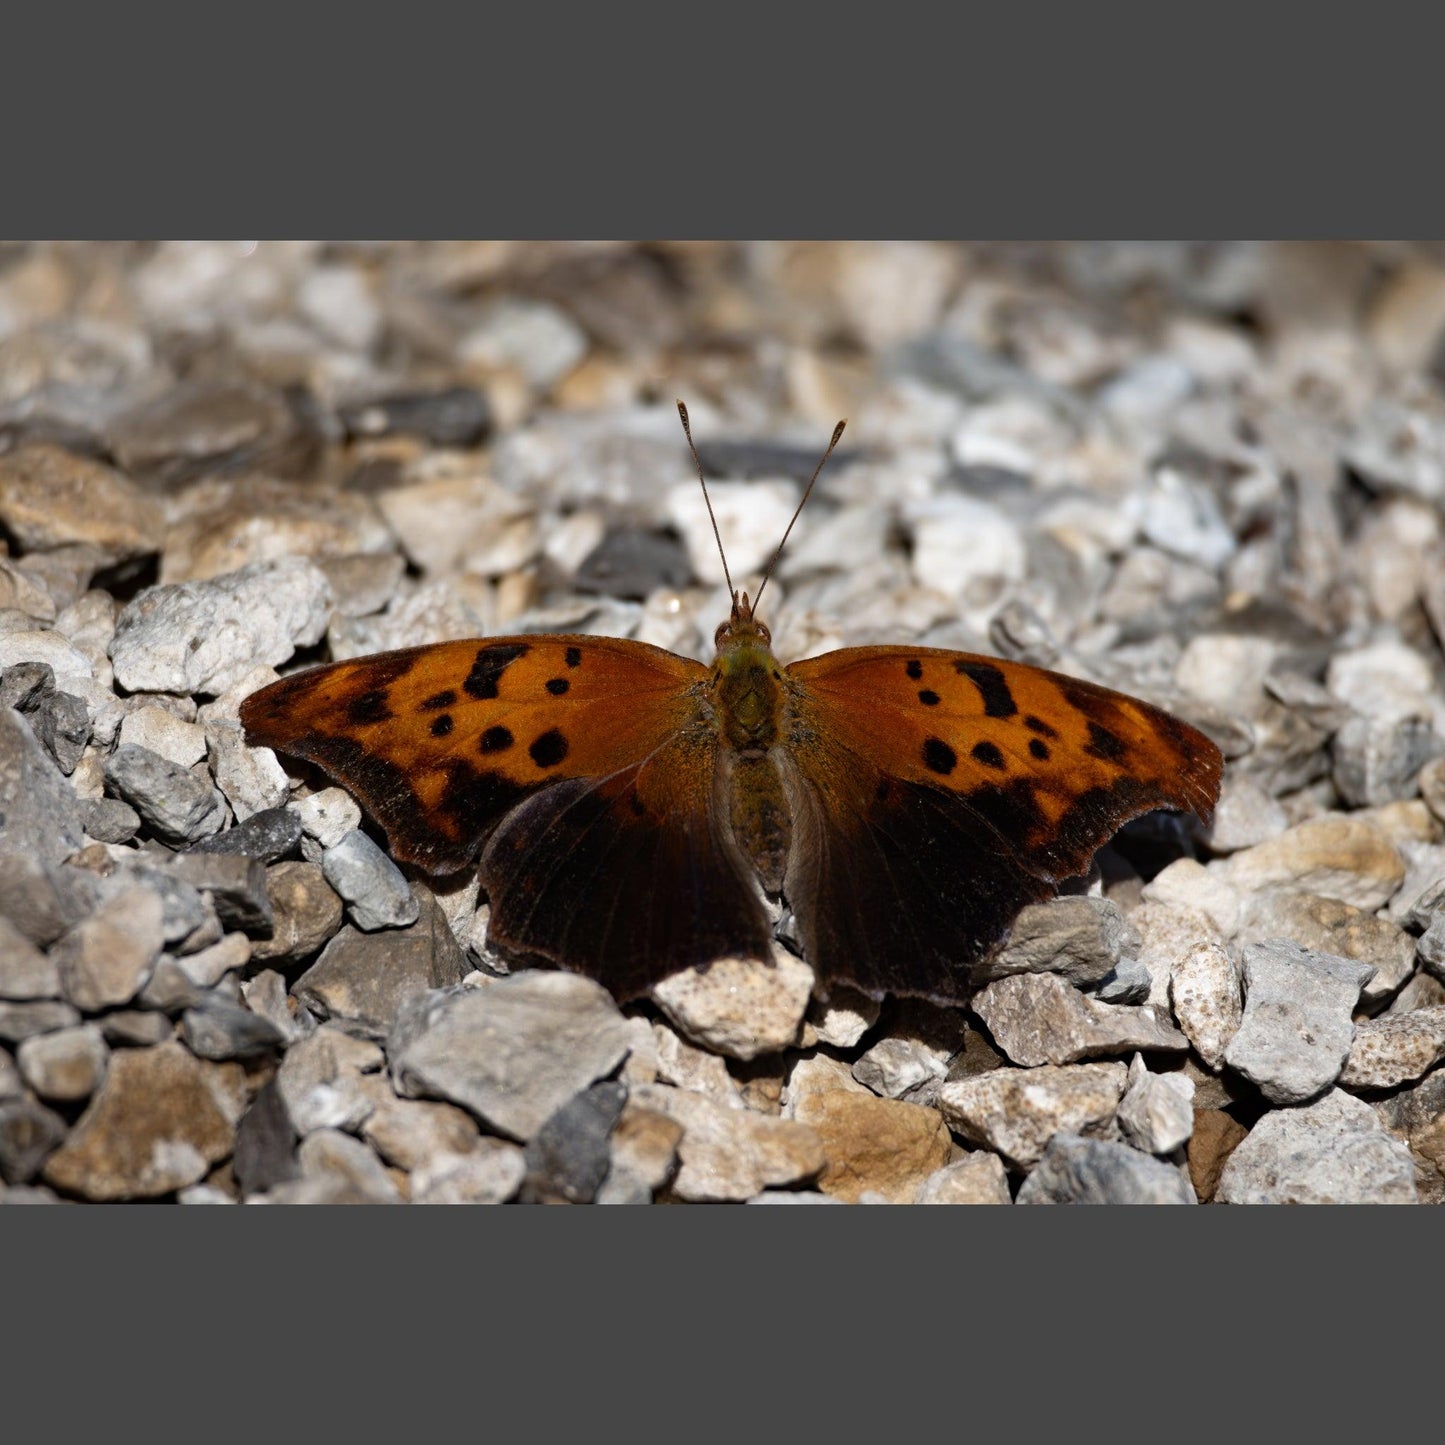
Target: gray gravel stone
point(109, 820)
point(203, 637)
point(732, 1154)
point(1348, 858)
point(741, 1007)
point(1040, 1019)
point(1431, 947)
point(1377, 759)
point(327, 816)
point(187, 920)
point(366, 978)
point(160, 1121)
point(251, 779)
point(337, 1169)
point(209, 966)
point(161, 732)
point(894, 1067)
point(1325, 925)
point(267, 836)
point(325, 1081)
point(305, 911)
point(644, 1156)
point(1078, 938)
point(37, 1016)
point(105, 961)
point(514, 1051)
point(178, 805)
point(265, 1143)
point(11, 1086)
point(39, 812)
point(419, 1134)
point(1017, 1111)
point(1246, 814)
point(1157, 1110)
point(492, 1173)
point(568, 1157)
point(66, 1066)
point(203, 425)
point(236, 885)
point(1333, 1151)
point(370, 882)
point(266, 994)
point(25, 972)
point(220, 1029)
point(41, 898)
point(980, 1178)
point(1296, 1032)
point(1075, 1170)
point(135, 1028)
point(50, 497)
point(1129, 982)
point(59, 720)
point(457, 416)
point(29, 1133)
point(1390, 1051)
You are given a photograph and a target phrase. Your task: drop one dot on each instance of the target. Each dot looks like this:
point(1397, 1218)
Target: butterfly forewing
point(439, 742)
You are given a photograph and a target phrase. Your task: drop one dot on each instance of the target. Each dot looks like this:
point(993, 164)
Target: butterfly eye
point(722, 632)
point(764, 634)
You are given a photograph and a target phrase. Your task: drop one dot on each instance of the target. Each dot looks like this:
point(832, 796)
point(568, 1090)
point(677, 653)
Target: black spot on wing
point(439, 700)
point(1039, 726)
point(573, 657)
point(1039, 749)
point(928, 697)
point(988, 754)
point(557, 686)
point(442, 725)
point(497, 740)
point(368, 707)
point(549, 749)
point(998, 701)
point(914, 669)
point(1104, 744)
point(938, 756)
point(491, 662)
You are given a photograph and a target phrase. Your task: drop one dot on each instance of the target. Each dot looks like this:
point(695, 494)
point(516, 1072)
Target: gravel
point(216, 984)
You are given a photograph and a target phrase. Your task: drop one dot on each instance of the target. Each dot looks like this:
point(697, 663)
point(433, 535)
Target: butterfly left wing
point(584, 760)
point(936, 793)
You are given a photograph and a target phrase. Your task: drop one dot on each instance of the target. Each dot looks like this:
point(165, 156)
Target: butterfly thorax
point(746, 688)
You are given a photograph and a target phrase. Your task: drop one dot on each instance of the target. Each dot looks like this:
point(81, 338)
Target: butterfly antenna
point(712, 516)
point(808, 492)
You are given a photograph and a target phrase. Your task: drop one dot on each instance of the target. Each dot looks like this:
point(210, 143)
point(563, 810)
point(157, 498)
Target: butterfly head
point(742, 628)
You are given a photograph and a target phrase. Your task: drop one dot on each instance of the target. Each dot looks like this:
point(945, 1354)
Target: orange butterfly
point(628, 805)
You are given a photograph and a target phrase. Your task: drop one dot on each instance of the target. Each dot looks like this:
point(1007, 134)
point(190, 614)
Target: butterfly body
point(629, 808)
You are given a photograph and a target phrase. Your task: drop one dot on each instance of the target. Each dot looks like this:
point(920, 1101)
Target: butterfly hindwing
point(938, 792)
point(627, 878)
point(440, 742)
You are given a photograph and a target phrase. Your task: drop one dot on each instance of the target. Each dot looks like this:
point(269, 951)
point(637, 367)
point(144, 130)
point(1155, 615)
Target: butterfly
point(630, 809)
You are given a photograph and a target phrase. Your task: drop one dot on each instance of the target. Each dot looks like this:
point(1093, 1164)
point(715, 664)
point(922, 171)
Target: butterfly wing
point(586, 762)
point(936, 793)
